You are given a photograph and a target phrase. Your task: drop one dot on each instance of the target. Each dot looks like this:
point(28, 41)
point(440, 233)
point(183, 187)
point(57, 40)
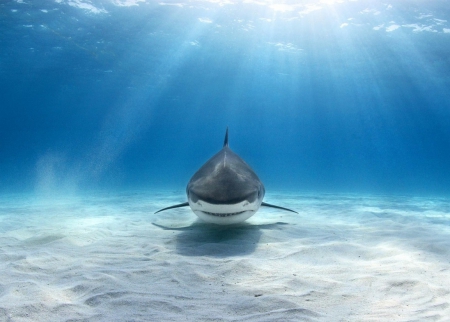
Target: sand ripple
point(108, 258)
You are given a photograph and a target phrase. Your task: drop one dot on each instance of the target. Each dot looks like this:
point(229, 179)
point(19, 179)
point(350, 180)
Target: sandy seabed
point(105, 257)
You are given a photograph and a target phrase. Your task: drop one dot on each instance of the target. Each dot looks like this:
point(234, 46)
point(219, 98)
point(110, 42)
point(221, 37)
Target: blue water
point(108, 107)
point(326, 97)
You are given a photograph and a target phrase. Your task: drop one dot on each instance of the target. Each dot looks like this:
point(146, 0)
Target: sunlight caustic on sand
point(107, 257)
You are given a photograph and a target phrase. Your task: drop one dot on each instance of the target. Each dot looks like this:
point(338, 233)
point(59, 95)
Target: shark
point(225, 190)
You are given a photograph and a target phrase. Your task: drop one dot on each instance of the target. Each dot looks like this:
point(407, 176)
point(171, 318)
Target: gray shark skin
point(225, 190)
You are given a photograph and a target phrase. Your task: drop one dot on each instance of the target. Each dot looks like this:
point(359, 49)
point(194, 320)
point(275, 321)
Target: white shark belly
point(224, 220)
point(224, 214)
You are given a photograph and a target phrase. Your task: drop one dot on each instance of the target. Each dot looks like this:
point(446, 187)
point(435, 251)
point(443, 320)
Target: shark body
point(225, 190)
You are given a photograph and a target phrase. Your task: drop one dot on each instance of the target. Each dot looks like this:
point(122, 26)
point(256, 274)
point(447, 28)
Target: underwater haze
point(108, 107)
point(336, 96)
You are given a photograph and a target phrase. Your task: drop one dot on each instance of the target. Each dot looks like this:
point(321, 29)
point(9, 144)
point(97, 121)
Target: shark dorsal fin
point(225, 142)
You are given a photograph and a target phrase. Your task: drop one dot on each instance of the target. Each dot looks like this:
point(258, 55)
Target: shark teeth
point(223, 215)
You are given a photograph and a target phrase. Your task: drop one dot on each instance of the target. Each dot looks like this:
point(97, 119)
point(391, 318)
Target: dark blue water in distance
point(349, 96)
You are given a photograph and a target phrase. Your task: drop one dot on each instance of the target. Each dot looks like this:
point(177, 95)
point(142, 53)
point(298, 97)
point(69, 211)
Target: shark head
point(225, 190)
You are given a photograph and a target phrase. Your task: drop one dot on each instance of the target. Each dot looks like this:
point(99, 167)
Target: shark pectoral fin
point(184, 204)
point(278, 207)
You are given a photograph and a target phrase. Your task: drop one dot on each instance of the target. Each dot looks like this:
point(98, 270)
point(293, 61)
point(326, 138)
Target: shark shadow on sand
point(202, 239)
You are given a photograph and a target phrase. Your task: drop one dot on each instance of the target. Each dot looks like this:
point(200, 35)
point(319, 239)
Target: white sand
point(343, 258)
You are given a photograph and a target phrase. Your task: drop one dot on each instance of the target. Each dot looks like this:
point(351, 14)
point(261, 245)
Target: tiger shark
point(225, 190)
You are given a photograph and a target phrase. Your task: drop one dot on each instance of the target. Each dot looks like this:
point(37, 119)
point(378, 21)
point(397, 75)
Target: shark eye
point(261, 192)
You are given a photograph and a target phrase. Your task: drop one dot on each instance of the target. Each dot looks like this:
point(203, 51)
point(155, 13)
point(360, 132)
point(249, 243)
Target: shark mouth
point(223, 214)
